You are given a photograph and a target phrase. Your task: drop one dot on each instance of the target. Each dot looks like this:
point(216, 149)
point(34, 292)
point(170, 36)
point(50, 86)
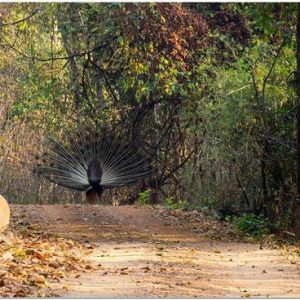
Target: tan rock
point(4, 214)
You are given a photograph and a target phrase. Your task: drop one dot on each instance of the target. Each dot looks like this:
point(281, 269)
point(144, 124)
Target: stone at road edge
point(4, 214)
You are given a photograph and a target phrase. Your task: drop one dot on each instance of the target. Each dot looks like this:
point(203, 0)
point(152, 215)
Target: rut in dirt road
point(142, 252)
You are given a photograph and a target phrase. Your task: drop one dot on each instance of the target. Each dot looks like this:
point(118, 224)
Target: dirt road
point(146, 252)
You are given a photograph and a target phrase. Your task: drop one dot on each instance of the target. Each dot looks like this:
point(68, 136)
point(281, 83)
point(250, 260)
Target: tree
point(297, 79)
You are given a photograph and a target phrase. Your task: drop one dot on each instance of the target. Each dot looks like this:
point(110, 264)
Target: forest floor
point(132, 251)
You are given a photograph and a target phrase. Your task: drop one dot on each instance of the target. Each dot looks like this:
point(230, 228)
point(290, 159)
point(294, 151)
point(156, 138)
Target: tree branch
point(54, 58)
point(22, 20)
point(271, 70)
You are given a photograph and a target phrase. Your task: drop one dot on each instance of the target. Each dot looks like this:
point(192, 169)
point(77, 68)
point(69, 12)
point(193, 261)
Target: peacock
point(92, 162)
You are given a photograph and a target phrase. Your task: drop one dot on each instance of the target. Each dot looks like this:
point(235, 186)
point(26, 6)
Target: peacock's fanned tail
point(84, 160)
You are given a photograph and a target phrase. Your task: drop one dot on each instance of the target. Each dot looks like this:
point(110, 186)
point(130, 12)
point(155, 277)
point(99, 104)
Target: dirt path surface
point(147, 252)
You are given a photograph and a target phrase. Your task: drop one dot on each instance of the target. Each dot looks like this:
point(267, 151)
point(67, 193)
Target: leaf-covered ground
point(31, 260)
point(129, 251)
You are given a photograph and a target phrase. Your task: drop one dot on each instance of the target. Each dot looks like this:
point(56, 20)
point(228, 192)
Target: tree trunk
point(70, 42)
point(264, 184)
point(297, 210)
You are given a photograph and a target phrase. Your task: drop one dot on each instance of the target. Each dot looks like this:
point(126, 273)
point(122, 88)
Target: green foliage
point(192, 84)
point(144, 197)
point(247, 116)
point(252, 225)
point(171, 203)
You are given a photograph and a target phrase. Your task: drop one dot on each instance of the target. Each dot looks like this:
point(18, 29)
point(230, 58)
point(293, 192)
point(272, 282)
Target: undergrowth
point(251, 225)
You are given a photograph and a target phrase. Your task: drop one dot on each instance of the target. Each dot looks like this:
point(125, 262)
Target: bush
point(251, 225)
point(170, 203)
point(144, 197)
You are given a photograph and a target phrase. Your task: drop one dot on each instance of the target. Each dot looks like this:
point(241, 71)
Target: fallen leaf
point(54, 265)
point(38, 255)
point(7, 256)
point(40, 279)
point(29, 252)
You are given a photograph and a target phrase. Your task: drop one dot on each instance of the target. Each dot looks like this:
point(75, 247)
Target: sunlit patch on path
point(137, 252)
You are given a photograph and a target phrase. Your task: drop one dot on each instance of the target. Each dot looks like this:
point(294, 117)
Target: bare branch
point(239, 89)
point(271, 69)
point(80, 54)
point(22, 20)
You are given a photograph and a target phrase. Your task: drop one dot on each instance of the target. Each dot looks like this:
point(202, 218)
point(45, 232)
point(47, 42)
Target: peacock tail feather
point(87, 160)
